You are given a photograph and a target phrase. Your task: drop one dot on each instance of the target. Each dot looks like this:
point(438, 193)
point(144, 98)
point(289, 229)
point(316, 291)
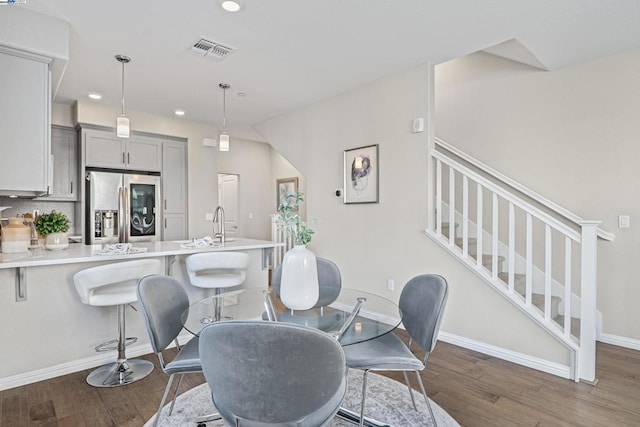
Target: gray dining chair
point(162, 300)
point(422, 303)
point(329, 281)
point(270, 374)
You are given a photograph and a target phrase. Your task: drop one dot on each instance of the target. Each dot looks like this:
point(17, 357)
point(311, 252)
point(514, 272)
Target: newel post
point(588, 290)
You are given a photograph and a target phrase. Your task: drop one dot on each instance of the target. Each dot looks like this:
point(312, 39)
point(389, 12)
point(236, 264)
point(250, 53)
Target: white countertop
point(79, 252)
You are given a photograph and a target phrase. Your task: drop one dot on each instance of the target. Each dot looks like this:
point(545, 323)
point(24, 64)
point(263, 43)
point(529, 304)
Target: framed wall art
point(285, 187)
point(361, 174)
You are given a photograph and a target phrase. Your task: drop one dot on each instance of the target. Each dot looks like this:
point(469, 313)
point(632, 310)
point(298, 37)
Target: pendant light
point(224, 137)
point(122, 123)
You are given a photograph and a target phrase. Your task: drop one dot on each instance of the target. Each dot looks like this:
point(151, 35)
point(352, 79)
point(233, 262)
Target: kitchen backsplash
point(22, 206)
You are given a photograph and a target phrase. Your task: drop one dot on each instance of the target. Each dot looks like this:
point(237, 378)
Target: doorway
point(228, 196)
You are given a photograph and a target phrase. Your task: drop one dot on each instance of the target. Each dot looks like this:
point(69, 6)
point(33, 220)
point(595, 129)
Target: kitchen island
point(48, 331)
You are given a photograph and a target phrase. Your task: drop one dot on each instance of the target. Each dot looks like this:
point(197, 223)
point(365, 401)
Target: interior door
point(228, 186)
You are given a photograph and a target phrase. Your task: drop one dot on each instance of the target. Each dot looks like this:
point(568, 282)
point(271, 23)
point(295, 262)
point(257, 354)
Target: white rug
point(387, 400)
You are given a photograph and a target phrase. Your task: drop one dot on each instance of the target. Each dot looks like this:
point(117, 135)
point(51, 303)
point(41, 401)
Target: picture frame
point(284, 187)
point(361, 174)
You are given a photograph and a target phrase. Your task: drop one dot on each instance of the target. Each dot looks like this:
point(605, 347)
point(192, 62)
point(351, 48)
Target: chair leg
point(164, 397)
point(175, 394)
point(426, 399)
point(406, 381)
point(364, 395)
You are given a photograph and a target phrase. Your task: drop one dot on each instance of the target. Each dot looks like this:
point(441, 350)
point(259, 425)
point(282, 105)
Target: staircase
point(536, 254)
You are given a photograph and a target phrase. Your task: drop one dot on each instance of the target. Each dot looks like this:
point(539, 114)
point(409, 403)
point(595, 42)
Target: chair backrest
point(422, 304)
point(329, 281)
point(217, 269)
point(124, 274)
point(263, 373)
point(162, 300)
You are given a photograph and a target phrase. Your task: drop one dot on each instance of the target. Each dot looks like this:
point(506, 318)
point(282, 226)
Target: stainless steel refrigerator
point(122, 207)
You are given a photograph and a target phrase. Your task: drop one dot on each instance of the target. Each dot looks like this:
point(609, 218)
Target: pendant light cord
point(224, 110)
point(122, 88)
point(224, 87)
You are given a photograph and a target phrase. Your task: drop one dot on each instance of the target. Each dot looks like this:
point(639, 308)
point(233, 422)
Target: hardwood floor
point(477, 390)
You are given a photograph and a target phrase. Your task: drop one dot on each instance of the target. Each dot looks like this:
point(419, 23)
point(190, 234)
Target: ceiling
point(291, 53)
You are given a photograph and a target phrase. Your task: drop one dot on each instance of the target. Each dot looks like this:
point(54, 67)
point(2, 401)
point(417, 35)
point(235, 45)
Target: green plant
point(290, 220)
point(54, 222)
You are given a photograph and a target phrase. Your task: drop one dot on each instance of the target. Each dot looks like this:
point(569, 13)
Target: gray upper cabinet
point(25, 103)
point(174, 189)
point(105, 150)
point(64, 149)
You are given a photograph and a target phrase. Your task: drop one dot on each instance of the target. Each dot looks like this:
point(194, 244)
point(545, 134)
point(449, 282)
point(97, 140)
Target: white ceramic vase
point(56, 241)
point(299, 282)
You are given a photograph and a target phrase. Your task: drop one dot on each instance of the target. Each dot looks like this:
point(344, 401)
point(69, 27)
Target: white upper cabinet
point(25, 103)
point(104, 149)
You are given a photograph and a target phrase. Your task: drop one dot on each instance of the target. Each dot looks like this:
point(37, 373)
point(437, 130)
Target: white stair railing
point(279, 235)
point(505, 221)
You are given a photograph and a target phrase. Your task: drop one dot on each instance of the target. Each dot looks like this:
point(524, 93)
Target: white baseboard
point(631, 343)
point(508, 355)
point(77, 365)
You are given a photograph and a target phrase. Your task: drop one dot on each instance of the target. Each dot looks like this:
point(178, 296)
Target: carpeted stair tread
point(520, 285)
point(575, 324)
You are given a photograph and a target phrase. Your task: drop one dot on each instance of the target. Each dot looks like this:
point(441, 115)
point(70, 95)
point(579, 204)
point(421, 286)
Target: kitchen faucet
point(218, 217)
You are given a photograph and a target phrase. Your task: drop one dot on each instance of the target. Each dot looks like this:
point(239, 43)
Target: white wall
point(252, 162)
point(571, 135)
point(374, 242)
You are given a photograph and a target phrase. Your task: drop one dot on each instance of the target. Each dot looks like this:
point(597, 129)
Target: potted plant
point(290, 219)
point(299, 283)
point(53, 227)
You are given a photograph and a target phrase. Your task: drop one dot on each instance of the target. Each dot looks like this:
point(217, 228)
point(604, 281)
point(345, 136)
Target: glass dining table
point(354, 316)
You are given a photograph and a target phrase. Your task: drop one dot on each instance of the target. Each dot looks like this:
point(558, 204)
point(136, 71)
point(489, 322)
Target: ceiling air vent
point(210, 49)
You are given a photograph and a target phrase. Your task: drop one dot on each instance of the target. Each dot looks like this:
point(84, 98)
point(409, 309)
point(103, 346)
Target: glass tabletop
point(355, 316)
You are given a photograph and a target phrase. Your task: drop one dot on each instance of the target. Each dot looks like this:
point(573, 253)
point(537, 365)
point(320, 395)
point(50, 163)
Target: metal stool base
point(120, 373)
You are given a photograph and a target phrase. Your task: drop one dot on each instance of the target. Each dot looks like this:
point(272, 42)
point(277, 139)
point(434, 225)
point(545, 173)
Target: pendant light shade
point(224, 137)
point(122, 127)
point(122, 122)
point(224, 142)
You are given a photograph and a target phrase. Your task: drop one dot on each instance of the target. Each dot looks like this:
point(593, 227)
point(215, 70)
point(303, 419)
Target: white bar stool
point(116, 284)
point(217, 270)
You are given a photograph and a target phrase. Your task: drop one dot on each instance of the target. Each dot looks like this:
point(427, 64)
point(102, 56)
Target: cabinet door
point(65, 164)
point(175, 227)
point(144, 155)
point(174, 177)
point(25, 102)
point(104, 150)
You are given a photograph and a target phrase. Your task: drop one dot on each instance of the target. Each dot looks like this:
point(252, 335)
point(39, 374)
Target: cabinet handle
point(123, 158)
point(165, 223)
point(128, 157)
point(71, 187)
point(165, 204)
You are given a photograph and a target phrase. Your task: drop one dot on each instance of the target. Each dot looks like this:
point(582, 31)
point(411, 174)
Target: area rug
point(387, 400)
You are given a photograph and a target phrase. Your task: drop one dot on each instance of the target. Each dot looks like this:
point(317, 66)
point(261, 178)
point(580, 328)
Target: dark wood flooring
point(477, 390)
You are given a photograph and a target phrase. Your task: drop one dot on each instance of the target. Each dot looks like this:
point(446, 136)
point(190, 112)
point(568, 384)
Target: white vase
point(299, 282)
point(56, 241)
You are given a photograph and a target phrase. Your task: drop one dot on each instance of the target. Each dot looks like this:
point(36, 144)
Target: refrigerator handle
point(120, 215)
point(127, 218)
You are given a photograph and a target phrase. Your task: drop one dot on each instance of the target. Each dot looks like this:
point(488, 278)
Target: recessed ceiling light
point(94, 95)
point(230, 5)
point(179, 112)
point(242, 94)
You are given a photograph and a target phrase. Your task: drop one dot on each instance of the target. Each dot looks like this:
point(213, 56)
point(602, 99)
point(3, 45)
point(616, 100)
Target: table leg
point(354, 418)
